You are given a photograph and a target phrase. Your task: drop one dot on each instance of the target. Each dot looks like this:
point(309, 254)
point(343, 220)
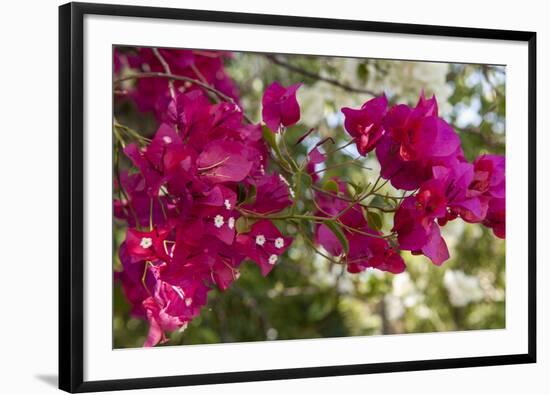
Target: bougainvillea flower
point(489, 176)
point(272, 195)
point(353, 218)
point(158, 323)
point(496, 217)
point(154, 178)
point(264, 244)
point(366, 248)
point(431, 200)
point(419, 136)
point(471, 207)
point(364, 251)
point(409, 175)
point(279, 106)
point(136, 206)
point(411, 231)
point(326, 238)
point(181, 288)
point(418, 232)
point(435, 247)
point(372, 252)
point(188, 112)
point(218, 213)
point(217, 262)
point(223, 161)
point(159, 160)
point(415, 140)
point(149, 245)
point(365, 125)
point(225, 120)
point(171, 308)
point(166, 150)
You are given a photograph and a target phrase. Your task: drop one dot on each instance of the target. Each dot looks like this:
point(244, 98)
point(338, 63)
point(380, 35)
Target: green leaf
point(374, 220)
point(378, 201)
point(337, 230)
point(331, 186)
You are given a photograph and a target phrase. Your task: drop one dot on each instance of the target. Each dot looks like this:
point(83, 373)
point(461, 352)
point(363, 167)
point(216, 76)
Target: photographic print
point(267, 196)
point(236, 188)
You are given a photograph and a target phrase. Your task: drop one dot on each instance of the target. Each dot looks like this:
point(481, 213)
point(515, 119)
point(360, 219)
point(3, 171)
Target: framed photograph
point(259, 197)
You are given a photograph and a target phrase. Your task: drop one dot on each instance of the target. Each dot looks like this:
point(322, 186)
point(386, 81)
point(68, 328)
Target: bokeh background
point(306, 296)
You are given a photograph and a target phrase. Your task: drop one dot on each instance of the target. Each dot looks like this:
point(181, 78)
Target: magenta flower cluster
point(152, 94)
point(180, 206)
point(200, 198)
point(184, 200)
point(418, 151)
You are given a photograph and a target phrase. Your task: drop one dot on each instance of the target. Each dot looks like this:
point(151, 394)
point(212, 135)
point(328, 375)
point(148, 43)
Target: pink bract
point(365, 125)
point(279, 106)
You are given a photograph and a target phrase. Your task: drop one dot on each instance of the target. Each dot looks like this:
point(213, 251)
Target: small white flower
point(188, 302)
point(146, 242)
point(167, 139)
point(227, 204)
point(260, 240)
point(218, 221)
point(279, 242)
point(231, 222)
point(273, 259)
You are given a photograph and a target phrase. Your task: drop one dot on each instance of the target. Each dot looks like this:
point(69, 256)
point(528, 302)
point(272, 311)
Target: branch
point(318, 77)
point(167, 70)
point(155, 74)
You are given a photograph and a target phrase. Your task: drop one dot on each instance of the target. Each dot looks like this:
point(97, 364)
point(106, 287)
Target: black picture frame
point(71, 204)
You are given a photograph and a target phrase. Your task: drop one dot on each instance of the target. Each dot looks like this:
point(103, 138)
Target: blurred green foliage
point(306, 296)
